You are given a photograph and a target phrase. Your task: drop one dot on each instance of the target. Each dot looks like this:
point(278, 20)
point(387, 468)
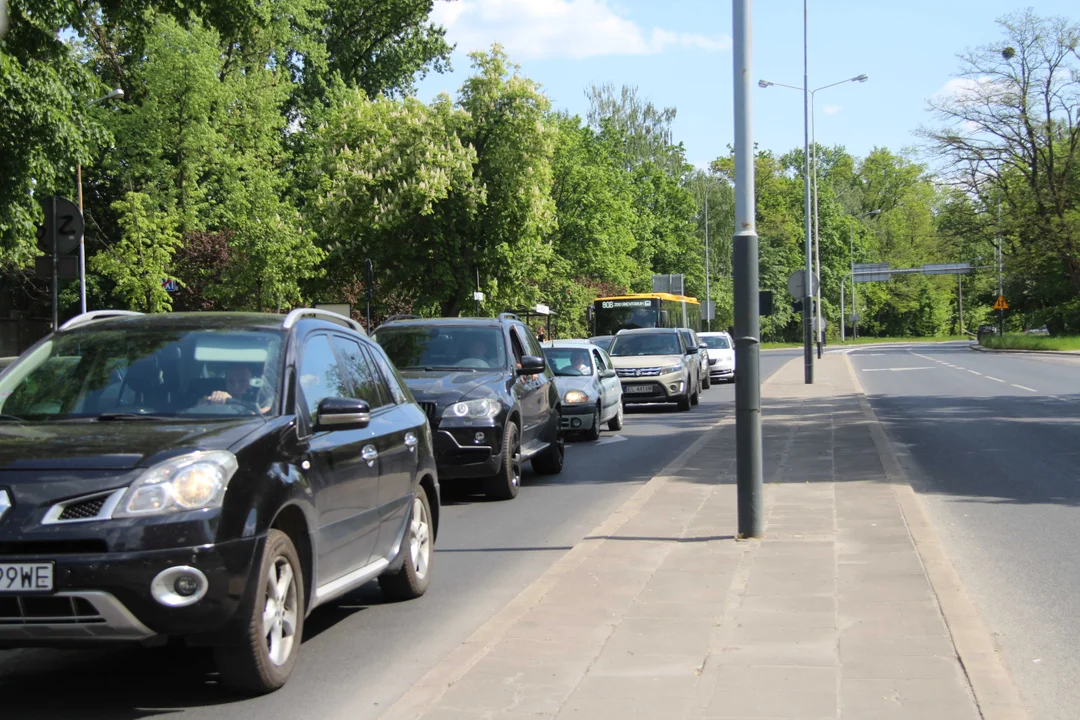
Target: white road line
point(994, 379)
point(974, 373)
point(899, 369)
point(1022, 387)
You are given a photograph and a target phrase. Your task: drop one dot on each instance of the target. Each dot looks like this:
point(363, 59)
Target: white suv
point(721, 355)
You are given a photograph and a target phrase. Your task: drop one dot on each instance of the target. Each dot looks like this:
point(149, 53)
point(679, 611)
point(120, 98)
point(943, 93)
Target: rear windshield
point(645, 344)
point(443, 347)
point(716, 342)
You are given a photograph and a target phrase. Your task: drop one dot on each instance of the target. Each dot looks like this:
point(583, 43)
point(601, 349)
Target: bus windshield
point(615, 315)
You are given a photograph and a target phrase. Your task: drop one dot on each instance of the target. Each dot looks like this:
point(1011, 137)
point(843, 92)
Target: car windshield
point(443, 347)
point(645, 344)
point(716, 342)
point(569, 362)
point(603, 341)
point(113, 374)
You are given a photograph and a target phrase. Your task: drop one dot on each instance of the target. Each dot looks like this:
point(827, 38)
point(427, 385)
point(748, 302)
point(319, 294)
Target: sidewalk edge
point(995, 694)
point(1018, 351)
point(433, 684)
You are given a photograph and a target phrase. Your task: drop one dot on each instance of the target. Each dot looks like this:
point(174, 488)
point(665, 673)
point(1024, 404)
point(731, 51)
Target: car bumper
point(669, 388)
point(721, 373)
point(578, 417)
point(455, 458)
point(107, 598)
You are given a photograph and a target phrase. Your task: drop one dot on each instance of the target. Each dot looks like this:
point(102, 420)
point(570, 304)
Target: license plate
point(639, 388)
point(26, 577)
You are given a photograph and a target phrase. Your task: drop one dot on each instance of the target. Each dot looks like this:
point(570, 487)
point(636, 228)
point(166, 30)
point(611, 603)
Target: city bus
point(645, 310)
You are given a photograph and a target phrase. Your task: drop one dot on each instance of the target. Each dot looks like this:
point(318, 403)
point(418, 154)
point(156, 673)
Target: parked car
point(488, 393)
point(211, 477)
point(655, 365)
point(590, 388)
point(985, 330)
point(602, 341)
point(690, 338)
point(1038, 331)
point(721, 351)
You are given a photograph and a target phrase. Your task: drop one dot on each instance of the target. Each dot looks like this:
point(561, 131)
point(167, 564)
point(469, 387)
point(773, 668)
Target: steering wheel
point(248, 405)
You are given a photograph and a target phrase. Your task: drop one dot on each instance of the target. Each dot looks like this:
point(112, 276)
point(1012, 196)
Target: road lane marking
point(974, 373)
point(988, 377)
point(900, 369)
point(1022, 387)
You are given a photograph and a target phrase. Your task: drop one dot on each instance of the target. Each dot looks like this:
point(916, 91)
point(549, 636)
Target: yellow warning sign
point(1000, 303)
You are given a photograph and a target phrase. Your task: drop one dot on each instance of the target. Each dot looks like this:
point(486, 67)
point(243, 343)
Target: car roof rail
point(296, 315)
point(95, 315)
point(508, 316)
point(401, 316)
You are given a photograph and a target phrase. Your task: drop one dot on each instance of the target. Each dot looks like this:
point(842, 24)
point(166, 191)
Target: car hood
point(443, 387)
point(115, 445)
point(582, 382)
point(721, 354)
point(646, 361)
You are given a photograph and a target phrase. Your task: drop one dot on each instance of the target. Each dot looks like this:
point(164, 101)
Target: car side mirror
point(608, 373)
point(691, 351)
point(703, 346)
point(336, 413)
point(531, 365)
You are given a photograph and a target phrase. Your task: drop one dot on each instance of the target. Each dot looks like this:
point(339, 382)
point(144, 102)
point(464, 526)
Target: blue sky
point(678, 52)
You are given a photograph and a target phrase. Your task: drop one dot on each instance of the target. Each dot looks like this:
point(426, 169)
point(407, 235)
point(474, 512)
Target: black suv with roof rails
point(488, 394)
point(207, 476)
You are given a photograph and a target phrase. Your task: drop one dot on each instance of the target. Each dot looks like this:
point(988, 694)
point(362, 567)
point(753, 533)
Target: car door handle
point(370, 455)
point(411, 441)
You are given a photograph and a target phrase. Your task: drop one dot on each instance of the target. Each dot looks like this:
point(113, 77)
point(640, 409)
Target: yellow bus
point(645, 310)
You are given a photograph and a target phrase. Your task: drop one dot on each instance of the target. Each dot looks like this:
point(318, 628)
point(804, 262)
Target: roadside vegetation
point(1019, 341)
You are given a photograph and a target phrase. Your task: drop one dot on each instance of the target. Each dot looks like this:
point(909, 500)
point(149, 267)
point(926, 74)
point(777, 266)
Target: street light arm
point(769, 83)
point(858, 78)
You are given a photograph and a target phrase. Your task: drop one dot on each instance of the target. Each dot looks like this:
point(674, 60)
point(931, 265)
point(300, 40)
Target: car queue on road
point(211, 478)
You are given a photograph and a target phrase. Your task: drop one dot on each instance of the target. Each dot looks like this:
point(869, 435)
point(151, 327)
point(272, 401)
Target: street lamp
point(813, 131)
point(708, 269)
point(851, 254)
point(115, 94)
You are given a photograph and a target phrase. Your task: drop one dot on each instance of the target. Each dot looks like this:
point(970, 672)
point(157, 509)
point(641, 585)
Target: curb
point(1046, 353)
point(451, 668)
point(995, 693)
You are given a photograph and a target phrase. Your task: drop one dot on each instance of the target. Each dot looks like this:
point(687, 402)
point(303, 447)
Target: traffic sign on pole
point(1000, 303)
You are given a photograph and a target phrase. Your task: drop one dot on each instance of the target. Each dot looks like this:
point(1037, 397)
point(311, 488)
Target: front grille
point(54, 547)
point(84, 509)
point(430, 409)
point(713, 361)
point(47, 611)
point(638, 372)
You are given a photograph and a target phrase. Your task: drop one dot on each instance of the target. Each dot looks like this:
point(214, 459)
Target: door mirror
point(691, 350)
point(336, 413)
point(607, 374)
point(664, 318)
point(703, 346)
point(531, 365)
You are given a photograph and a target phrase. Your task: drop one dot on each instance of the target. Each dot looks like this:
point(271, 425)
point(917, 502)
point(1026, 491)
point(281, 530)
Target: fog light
point(479, 438)
point(575, 422)
point(179, 586)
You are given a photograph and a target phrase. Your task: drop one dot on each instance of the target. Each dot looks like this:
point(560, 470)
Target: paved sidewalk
point(661, 613)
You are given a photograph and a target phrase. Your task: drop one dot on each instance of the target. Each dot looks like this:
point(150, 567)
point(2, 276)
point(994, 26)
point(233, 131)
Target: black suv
point(207, 476)
point(488, 393)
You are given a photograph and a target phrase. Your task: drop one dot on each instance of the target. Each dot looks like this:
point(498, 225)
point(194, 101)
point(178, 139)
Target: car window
point(717, 342)
point(320, 374)
point(516, 346)
point(601, 366)
point(568, 361)
point(362, 376)
point(646, 344)
point(392, 381)
point(531, 345)
point(443, 347)
point(607, 358)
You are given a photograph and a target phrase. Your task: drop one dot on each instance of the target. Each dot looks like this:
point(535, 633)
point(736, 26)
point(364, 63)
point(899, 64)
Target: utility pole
point(960, 301)
point(747, 311)
point(708, 294)
point(817, 236)
point(808, 290)
point(1001, 313)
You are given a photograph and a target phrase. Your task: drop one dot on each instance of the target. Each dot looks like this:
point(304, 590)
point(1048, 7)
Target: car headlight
point(575, 397)
point(195, 481)
point(473, 409)
point(670, 369)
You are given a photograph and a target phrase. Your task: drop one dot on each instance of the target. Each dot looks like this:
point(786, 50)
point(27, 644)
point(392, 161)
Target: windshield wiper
point(109, 416)
point(11, 418)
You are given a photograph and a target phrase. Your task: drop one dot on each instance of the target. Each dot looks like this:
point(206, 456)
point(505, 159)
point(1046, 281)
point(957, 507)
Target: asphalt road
point(993, 446)
point(360, 654)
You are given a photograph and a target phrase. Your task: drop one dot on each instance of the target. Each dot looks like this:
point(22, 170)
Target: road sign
point(69, 226)
point(872, 272)
point(67, 267)
point(797, 287)
point(170, 285)
point(947, 269)
point(1000, 303)
point(478, 296)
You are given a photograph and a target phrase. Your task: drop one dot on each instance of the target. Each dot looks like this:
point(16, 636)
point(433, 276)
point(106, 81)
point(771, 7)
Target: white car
point(721, 355)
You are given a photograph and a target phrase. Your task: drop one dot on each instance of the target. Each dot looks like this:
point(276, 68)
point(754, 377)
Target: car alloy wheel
point(411, 580)
point(420, 538)
point(279, 613)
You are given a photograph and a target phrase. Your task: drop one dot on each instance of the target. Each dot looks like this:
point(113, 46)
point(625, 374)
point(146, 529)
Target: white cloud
point(961, 88)
point(540, 29)
point(832, 109)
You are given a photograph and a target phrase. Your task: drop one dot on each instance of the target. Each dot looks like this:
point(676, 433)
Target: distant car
point(655, 365)
point(1038, 331)
point(589, 386)
point(692, 340)
point(602, 341)
point(208, 478)
point(985, 330)
point(488, 394)
point(721, 355)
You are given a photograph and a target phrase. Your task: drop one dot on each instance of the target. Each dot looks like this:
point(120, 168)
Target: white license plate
point(26, 577)
point(639, 388)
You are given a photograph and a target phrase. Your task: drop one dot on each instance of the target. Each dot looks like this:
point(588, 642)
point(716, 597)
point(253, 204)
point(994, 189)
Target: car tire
point(684, 403)
point(550, 460)
point(706, 383)
point(615, 423)
point(257, 665)
point(593, 433)
point(695, 398)
point(412, 580)
point(504, 485)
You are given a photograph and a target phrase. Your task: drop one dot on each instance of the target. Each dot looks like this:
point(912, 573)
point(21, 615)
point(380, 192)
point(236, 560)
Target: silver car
point(590, 389)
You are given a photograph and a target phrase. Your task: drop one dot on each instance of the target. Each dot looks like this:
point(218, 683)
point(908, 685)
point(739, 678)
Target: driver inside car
point(237, 388)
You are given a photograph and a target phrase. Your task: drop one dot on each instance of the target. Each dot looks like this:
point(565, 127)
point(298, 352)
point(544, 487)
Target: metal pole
point(817, 235)
point(82, 247)
point(843, 322)
point(747, 317)
point(708, 294)
point(807, 308)
point(55, 269)
point(1001, 313)
point(960, 300)
point(854, 310)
